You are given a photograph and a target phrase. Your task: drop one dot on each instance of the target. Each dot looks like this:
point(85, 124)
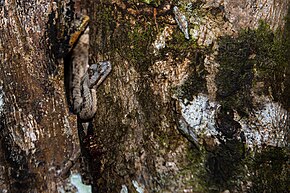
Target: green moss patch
point(140, 46)
point(195, 82)
point(254, 56)
point(225, 167)
point(270, 171)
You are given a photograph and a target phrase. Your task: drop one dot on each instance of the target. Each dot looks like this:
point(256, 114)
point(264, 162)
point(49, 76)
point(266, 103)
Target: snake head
point(98, 73)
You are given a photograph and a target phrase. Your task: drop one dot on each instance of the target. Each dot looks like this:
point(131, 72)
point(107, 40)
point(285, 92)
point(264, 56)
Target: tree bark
point(208, 114)
point(165, 92)
point(38, 133)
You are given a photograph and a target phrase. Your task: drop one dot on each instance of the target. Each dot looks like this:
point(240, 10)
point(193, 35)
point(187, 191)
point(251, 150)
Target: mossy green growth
point(225, 166)
point(253, 56)
point(152, 2)
point(235, 76)
point(216, 170)
point(140, 49)
point(273, 64)
point(180, 48)
point(270, 170)
point(195, 83)
point(256, 56)
point(195, 168)
point(102, 26)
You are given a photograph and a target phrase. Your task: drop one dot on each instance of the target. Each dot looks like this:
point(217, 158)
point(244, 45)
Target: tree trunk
point(167, 95)
point(38, 133)
point(197, 100)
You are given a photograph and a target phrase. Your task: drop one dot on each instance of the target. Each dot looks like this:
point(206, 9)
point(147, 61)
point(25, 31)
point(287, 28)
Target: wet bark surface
point(208, 114)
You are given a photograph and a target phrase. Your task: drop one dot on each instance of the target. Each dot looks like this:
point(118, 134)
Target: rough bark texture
point(208, 114)
point(38, 134)
point(165, 90)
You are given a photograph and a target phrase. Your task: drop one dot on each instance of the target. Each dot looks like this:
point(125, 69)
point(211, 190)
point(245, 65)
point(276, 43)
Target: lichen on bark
point(227, 85)
point(209, 80)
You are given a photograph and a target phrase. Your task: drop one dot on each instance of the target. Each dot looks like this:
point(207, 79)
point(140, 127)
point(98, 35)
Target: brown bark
point(135, 142)
point(38, 134)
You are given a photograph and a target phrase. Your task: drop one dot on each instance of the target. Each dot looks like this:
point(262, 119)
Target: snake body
point(85, 78)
